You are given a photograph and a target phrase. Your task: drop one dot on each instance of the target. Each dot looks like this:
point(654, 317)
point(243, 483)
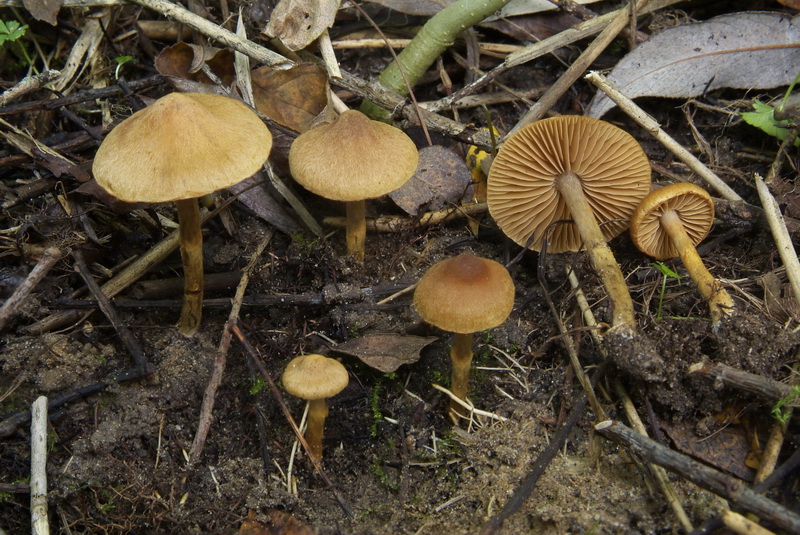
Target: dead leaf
point(726, 449)
point(749, 50)
point(386, 351)
point(291, 97)
point(46, 10)
point(278, 523)
point(258, 198)
point(513, 8)
point(441, 179)
point(183, 60)
point(298, 22)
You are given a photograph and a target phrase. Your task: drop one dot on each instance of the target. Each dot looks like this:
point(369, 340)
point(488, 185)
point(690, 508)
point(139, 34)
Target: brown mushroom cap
point(353, 158)
point(465, 294)
point(522, 195)
point(312, 377)
point(690, 202)
point(182, 146)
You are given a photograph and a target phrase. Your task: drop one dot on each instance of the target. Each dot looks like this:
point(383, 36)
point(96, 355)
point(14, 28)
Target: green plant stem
point(433, 39)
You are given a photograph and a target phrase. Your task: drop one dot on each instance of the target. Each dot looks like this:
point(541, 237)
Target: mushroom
point(669, 222)
point(315, 378)
point(353, 159)
point(183, 146)
point(571, 168)
point(463, 295)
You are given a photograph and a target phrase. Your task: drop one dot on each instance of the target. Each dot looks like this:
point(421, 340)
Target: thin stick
point(221, 356)
point(742, 525)
point(732, 489)
point(11, 306)
point(39, 523)
point(526, 486)
point(468, 405)
point(630, 410)
point(254, 358)
point(578, 67)
point(110, 312)
point(391, 223)
point(783, 241)
point(28, 84)
point(763, 387)
point(651, 125)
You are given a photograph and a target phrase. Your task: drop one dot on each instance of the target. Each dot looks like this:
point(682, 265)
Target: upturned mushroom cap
point(314, 376)
point(465, 294)
point(690, 202)
point(522, 195)
point(353, 158)
point(184, 145)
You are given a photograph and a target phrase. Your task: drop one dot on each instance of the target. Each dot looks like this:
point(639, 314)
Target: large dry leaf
point(441, 179)
point(183, 60)
point(45, 10)
point(298, 22)
point(750, 50)
point(427, 8)
point(385, 351)
point(291, 97)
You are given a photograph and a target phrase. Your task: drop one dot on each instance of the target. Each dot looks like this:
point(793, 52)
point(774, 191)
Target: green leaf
point(764, 118)
point(665, 270)
point(122, 60)
point(11, 31)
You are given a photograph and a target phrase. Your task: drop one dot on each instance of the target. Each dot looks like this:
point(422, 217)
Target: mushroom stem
point(569, 185)
point(317, 412)
point(356, 229)
point(461, 357)
point(192, 254)
point(719, 301)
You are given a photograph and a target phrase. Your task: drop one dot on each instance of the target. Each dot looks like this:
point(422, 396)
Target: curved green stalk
point(433, 39)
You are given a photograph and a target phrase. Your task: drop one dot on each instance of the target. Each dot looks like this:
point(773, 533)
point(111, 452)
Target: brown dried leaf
point(386, 351)
point(291, 97)
point(298, 22)
point(726, 449)
point(45, 10)
point(441, 179)
point(183, 60)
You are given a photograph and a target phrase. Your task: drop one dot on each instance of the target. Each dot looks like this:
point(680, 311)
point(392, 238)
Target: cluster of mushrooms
point(559, 184)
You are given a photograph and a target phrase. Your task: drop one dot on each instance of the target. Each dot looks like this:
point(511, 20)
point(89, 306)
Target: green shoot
point(121, 60)
point(666, 272)
point(777, 410)
point(764, 116)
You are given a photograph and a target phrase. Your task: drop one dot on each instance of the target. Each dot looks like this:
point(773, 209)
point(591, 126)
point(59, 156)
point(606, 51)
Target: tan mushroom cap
point(465, 294)
point(353, 158)
point(182, 146)
point(312, 377)
point(521, 191)
point(690, 202)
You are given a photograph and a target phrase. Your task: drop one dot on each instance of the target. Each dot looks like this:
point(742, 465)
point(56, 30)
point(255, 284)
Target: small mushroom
point(315, 378)
point(463, 295)
point(353, 159)
point(571, 168)
point(670, 222)
point(183, 146)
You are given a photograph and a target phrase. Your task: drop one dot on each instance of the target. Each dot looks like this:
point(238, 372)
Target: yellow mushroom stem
point(191, 237)
point(356, 229)
point(603, 261)
point(719, 301)
point(315, 422)
point(461, 357)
